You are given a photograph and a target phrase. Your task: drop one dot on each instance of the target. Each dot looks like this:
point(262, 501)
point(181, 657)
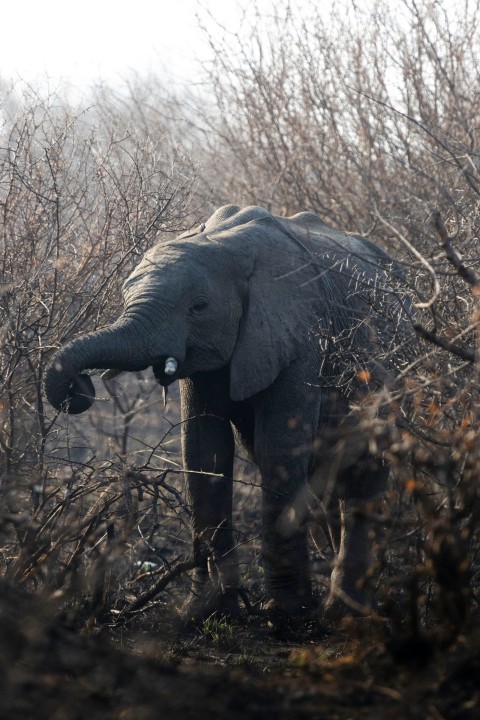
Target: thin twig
point(453, 255)
point(420, 258)
point(460, 351)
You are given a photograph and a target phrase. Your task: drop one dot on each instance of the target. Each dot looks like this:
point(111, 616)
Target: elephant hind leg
point(349, 588)
point(348, 595)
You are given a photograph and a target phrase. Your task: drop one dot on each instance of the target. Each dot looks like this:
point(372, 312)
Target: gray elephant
point(275, 327)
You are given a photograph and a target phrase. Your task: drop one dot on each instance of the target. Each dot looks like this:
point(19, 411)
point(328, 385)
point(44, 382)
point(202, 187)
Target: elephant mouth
point(112, 370)
point(166, 370)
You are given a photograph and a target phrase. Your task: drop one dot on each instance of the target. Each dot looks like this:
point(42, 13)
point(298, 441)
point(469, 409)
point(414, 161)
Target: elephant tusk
point(110, 374)
point(171, 366)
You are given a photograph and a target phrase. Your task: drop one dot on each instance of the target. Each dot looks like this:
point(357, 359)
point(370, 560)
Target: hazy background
point(74, 45)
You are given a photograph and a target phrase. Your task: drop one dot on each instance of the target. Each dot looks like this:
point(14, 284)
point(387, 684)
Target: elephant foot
point(276, 609)
point(285, 619)
point(206, 600)
point(290, 603)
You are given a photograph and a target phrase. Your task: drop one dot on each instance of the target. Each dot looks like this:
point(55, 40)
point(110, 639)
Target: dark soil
point(229, 671)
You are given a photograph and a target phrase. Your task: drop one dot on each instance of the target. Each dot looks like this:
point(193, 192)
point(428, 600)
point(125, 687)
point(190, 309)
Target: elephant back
point(231, 216)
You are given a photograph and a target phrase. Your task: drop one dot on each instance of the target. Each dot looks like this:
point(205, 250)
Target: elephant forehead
point(172, 277)
point(182, 254)
point(188, 258)
point(163, 254)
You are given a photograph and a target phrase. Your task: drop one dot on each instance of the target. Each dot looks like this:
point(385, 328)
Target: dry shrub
point(83, 193)
point(368, 116)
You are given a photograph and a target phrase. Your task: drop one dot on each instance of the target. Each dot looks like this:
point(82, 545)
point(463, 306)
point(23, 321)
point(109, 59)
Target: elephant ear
point(271, 333)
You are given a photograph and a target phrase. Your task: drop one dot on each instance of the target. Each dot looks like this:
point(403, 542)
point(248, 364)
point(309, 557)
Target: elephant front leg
point(215, 580)
point(285, 556)
point(286, 418)
point(284, 539)
point(208, 451)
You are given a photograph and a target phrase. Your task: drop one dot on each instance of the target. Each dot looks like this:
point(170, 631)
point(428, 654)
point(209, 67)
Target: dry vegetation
point(370, 117)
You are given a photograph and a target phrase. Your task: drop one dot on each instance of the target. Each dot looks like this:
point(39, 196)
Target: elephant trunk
point(123, 346)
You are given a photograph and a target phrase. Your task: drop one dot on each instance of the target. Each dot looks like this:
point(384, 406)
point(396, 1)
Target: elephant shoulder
point(310, 227)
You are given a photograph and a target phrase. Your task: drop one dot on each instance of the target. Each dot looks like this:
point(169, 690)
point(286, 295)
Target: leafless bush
point(82, 195)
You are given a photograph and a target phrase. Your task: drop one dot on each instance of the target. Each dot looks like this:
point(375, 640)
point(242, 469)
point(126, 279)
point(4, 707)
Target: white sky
point(51, 42)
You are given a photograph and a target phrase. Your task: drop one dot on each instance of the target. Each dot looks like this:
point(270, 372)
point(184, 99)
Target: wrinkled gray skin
point(269, 320)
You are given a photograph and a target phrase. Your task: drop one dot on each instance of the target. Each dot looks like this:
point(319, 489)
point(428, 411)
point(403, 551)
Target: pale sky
point(50, 42)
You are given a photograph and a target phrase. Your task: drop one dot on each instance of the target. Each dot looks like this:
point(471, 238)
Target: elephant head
point(226, 294)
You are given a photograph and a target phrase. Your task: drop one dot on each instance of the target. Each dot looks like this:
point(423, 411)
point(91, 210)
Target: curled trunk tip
point(78, 396)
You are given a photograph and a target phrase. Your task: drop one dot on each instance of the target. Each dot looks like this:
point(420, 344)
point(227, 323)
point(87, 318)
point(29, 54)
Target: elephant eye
point(199, 305)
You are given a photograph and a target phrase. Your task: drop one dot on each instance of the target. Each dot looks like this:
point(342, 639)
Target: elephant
point(277, 328)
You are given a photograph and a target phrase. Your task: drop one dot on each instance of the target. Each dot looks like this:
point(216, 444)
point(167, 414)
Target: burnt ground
point(50, 669)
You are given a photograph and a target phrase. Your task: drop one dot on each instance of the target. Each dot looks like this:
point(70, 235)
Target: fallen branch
point(165, 580)
point(178, 569)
